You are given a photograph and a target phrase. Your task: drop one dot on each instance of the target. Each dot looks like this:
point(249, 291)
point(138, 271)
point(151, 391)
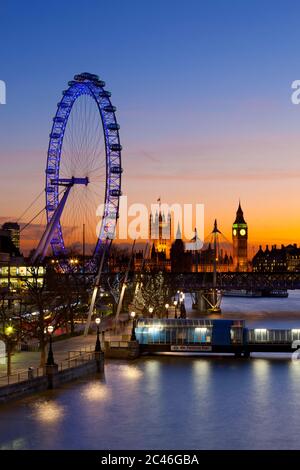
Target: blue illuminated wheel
point(84, 154)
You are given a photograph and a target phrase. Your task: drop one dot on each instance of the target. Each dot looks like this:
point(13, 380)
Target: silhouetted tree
point(42, 296)
point(11, 324)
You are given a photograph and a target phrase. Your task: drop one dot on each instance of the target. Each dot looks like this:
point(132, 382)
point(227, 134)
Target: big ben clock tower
point(240, 241)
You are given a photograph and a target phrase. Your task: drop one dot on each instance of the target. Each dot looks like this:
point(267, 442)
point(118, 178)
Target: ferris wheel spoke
point(98, 168)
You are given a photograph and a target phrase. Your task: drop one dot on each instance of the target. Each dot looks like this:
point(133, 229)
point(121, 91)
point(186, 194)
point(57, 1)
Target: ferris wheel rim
point(85, 84)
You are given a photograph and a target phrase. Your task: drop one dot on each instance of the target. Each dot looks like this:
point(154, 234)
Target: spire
point(216, 230)
point(196, 243)
point(178, 233)
point(239, 215)
point(195, 237)
point(159, 205)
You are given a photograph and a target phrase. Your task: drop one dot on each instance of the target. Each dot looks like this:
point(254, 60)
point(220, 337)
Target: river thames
point(173, 402)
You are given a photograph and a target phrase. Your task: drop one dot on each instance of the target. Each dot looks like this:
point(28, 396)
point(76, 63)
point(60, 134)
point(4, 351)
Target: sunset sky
point(203, 96)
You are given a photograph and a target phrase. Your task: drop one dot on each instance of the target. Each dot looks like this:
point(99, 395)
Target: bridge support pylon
point(207, 301)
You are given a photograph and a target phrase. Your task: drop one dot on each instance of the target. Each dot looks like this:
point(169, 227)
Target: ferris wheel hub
point(70, 181)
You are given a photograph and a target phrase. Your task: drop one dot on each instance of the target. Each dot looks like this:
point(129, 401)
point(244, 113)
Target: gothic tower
point(240, 241)
point(160, 231)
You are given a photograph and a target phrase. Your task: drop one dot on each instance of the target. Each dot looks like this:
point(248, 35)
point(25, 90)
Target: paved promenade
point(23, 360)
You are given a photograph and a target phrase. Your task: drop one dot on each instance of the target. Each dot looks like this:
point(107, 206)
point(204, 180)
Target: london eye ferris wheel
point(83, 171)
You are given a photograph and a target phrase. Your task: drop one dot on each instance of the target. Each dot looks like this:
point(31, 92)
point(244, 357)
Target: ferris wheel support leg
point(95, 292)
point(41, 250)
point(120, 303)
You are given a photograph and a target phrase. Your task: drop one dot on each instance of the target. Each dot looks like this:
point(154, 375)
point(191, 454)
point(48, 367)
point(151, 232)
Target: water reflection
point(95, 391)
point(201, 368)
point(165, 403)
point(261, 369)
point(131, 372)
point(152, 368)
point(49, 412)
point(15, 444)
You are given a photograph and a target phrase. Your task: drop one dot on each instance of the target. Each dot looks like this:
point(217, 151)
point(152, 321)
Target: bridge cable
point(30, 205)
point(33, 218)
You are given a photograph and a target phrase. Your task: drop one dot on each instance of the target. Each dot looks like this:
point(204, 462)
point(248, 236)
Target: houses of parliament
point(165, 254)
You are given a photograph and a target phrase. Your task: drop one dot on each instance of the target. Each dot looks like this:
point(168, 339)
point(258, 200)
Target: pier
point(212, 336)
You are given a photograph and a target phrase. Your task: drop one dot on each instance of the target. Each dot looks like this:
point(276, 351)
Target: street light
point(133, 337)
point(50, 359)
point(182, 306)
point(167, 308)
point(151, 310)
point(9, 330)
point(98, 344)
point(175, 305)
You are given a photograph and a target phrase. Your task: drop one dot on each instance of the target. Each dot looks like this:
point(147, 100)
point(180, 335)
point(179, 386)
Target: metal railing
point(73, 361)
point(22, 375)
point(118, 344)
point(80, 352)
point(75, 358)
point(29, 347)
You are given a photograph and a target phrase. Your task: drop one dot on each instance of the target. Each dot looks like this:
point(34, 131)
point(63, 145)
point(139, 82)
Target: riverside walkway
point(21, 361)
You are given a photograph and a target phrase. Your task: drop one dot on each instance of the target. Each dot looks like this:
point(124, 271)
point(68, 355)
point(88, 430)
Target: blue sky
point(202, 90)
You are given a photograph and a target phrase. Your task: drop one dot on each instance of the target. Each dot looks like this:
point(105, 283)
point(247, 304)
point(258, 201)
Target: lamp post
point(167, 308)
point(98, 344)
point(175, 305)
point(133, 337)
point(50, 359)
point(99, 355)
point(182, 306)
point(8, 332)
point(151, 310)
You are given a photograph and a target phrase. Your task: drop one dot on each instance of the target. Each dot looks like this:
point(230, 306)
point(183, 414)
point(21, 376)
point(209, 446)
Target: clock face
point(234, 232)
point(242, 232)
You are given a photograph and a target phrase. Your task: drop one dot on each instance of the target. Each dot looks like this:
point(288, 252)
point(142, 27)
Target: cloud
point(204, 176)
